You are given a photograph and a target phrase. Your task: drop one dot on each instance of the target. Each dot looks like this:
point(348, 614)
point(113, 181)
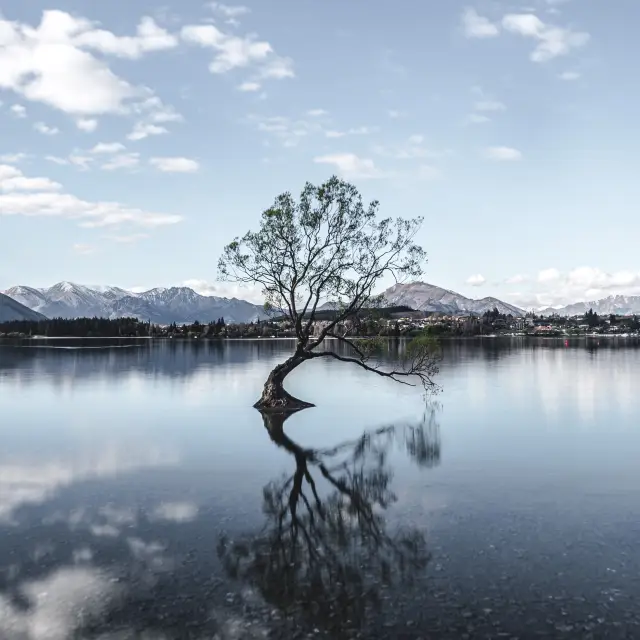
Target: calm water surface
point(142, 497)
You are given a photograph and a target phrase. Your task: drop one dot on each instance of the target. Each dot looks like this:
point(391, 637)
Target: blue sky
point(138, 138)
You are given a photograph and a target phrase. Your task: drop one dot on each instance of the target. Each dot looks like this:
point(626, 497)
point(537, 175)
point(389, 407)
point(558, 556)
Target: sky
point(138, 138)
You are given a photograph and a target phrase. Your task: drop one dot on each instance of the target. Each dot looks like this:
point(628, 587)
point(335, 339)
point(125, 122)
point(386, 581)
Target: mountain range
point(616, 305)
point(161, 305)
point(11, 310)
point(184, 305)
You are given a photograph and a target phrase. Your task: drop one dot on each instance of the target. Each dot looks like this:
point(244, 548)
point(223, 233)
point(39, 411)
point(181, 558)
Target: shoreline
point(263, 339)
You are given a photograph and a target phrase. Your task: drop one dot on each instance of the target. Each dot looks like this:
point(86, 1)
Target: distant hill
point(161, 305)
point(612, 305)
point(430, 298)
point(10, 310)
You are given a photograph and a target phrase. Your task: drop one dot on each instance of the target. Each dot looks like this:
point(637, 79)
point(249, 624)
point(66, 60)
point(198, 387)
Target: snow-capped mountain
point(616, 305)
point(182, 304)
point(11, 310)
point(175, 301)
point(64, 300)
point(427, 297)
point(162, 305)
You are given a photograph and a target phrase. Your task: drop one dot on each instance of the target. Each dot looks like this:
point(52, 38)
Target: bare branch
point(421, 369)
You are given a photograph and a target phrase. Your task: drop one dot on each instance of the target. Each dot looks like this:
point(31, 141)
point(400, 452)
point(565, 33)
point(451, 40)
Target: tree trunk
point(274, 396)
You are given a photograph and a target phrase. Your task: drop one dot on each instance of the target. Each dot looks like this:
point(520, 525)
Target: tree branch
point(394, 374)
point(350, 343)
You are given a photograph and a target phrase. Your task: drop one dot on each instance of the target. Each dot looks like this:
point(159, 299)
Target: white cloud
point(87, 124)
point(235, 52)
point(54, 63)
point(57, 160)
point(12, 179)
point(355, 131)
point(476, 26)
point(45, 129)
point(289, 132)
point(152, 115)
point(570, 76)
point(483, 105)
point(108, 147)
point(316, 113)
point(13, 158)
point(350, 165)
point(223, 290)
point(503, 154)
point(153, 110)
point(84, 249)
point(104, 531)
point(249, 86)
point(476, 280)
point(490, 105)
point(548, 275)
point(175, 512)
point(278, 69)
point(362, 131)
point(394, 114)
point(145, 551)
point(33, 481)
point(517, 279)
point(581, 284)
point(477, 118)
point(229, 11)
point(58, 603)
point(122, 161)
point(143, 130)
point(590, 278)
point(82, 555)
point(552, 41)
point(30, 184)
point(47, 64)
point(41, 197)
point(17, 109)
point(82, 162)
point(175, 165)
point(149, 37)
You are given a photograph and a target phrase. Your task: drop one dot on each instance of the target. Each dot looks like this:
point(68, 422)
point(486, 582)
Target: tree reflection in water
point(325, 552)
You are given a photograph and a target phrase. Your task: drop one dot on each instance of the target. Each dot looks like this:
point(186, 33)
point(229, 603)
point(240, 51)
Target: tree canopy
point(327, 246)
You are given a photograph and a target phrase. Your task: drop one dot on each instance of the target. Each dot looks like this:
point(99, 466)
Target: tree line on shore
point(135, 328)
point(375, 324)
point(105, 328)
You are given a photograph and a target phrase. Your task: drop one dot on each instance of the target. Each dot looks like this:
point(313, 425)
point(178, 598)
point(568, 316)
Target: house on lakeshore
point(342, 328)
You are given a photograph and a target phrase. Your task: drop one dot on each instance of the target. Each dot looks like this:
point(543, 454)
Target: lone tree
point(328, 247)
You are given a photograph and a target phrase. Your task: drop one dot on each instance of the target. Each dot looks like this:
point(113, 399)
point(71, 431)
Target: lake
point(141, 495)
